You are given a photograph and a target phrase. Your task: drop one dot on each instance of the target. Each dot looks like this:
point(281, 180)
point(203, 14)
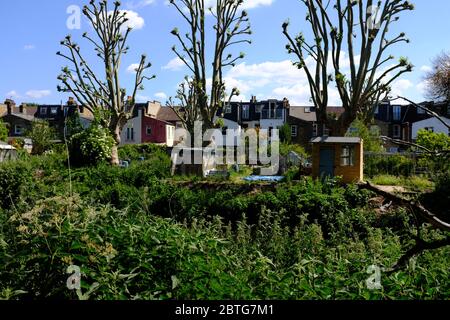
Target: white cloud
point(132, 68)
point(139, 4)
point(399, 88)
point(13, 95)
point(29, 47)
point(38, 94)
point(141, 98)
point(279, 79)
point(175, 64)
point(135, 21)
point(161, 95)
point(426, 69)
point(422, 87)
point(251, 4)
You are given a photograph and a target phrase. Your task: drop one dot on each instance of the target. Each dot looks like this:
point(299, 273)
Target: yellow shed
point(338, 157)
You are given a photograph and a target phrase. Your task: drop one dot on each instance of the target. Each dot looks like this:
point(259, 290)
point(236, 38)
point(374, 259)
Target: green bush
point(4, 132)
point(14, 177)
point(396, 165)
point(131, 255)
point(136, 152)
point(91, 146)
point(41, 135)
point(136, 236)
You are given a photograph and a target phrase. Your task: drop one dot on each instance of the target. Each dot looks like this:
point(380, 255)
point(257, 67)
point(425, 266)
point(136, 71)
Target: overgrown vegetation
point(136, 234)
point(3, 131)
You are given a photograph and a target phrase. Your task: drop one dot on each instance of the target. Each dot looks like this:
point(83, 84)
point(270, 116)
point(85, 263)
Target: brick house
point(304, 125)
point(401, 121)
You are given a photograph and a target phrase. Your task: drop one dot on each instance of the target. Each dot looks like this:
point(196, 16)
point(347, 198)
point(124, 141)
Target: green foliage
point(285, 148)
point(439, 199)
point(131, 255)
point(416, 183)
point(4, 132)
point(13, 180)
point(371, 136)
point(137, 236)
point(285, 134)
point(396, 165)
point(91, 146)
point(41, 135)
point(135, 152)
point(435, 142)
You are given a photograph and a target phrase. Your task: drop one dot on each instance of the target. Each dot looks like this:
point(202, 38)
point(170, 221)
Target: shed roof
point(348, 140)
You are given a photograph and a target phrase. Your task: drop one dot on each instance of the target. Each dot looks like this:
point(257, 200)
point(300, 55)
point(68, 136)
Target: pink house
point(147, 127)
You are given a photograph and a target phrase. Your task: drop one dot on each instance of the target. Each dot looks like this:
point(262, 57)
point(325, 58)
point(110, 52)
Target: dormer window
point(228, 108)
point(43, 111)
point(246, 112)
point(397, 113)
point(54, 111)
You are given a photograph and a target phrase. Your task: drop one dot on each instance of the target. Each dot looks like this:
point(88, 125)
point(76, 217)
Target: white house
point(431, 124)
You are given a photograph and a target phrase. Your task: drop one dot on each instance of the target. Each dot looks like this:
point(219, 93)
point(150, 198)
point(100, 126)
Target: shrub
point(13, 180)
point(91, 146)
point(4, 132)
point(41, 135)
point(396, 165)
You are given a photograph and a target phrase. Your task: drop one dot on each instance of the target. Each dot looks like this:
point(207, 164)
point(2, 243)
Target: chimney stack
point(71, 101)
point(22, 108)
point(10, 104)
point(254, 99)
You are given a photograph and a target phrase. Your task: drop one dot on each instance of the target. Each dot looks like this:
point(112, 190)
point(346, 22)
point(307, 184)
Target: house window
point(258, 109)
point(396, 131)
point(19, 130)
point(245, 112)
point(149, 131)
point(43, 110)
point(315, 130)
point(228, 108)
point(397, 113)
point(347, 156)
point(54, 111)
point(294, 131)
point(272, 110)
point(130, 134)
point(429, 129)
point(307, 110)
point(326, 132)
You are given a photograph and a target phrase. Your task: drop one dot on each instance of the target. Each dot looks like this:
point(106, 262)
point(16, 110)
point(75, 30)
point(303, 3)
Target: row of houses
point(154, 123)
point(400, 122)
point(151, 122)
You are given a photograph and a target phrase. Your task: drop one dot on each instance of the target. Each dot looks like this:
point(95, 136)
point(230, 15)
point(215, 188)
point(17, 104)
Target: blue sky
point(31, 31)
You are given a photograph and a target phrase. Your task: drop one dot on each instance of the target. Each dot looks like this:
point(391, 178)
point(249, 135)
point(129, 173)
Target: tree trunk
point(115, 161)
point(115, 156)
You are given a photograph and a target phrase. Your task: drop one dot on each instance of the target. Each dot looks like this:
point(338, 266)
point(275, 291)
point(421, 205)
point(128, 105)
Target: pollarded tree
point(360, 28)
point(230, 24)
point(102, 94)
point(438, 79)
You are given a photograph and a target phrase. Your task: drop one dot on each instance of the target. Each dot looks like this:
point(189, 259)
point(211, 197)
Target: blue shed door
point(326, 167)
